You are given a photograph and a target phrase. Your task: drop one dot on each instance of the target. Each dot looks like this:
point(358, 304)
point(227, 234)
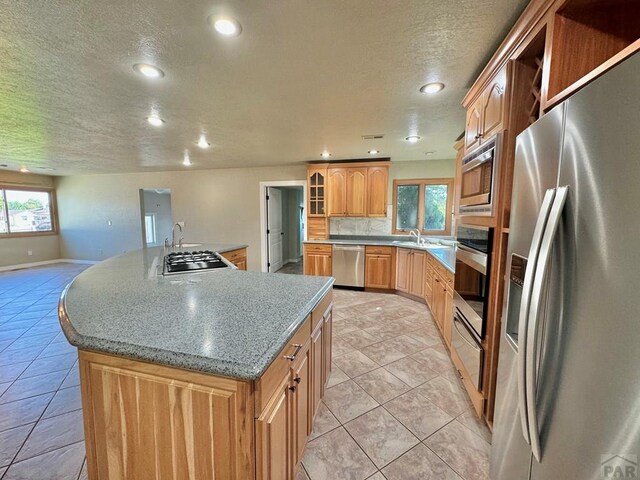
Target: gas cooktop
point(183, 262)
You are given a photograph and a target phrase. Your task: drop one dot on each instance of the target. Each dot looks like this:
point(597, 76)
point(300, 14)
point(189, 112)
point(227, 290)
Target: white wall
point(216, 205)
point(14, 251)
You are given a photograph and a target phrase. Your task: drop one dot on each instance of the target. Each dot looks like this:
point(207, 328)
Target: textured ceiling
point(304, 76)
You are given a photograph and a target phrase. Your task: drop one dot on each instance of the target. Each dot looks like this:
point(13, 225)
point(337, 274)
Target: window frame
point(422, 183)
point(53, 210)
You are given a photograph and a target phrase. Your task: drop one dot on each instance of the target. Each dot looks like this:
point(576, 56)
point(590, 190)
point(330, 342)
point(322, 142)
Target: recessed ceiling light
point(24, 169)
point(431, 88)
point(202, 142)
point(412, 138)
point(374, 152)
point(227, 26)
point(155, 120)
point(186, 161)
point(149, 71)
point(325, 154)
point(428, 154)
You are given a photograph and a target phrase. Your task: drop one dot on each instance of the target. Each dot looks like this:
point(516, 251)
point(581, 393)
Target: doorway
point(283, 226)
point(156, 217)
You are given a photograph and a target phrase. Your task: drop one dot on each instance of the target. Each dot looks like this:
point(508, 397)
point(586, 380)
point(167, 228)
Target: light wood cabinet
point(327, 349)
point(237, 257)
point(219, 427)
point(403, 269)
point(485, 116)
point(337, 195)
point(356, 192)
point(447, 315)
point(473, 127)
point(273, 438)
point(377, 191)
point(410, 271)
point(317, 259)
point(416, 287)
point(317, 228)
point(317, 366)
point(316, 190)
point(302, 413)
point(379, 267)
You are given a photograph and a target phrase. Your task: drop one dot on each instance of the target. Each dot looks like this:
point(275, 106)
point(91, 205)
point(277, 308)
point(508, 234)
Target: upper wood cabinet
point(485, 116)
point(473, 126)
point(316, 190)
point(377, 191)
point(356, 192)
point(351, 190)
point(337, 195)
point(493, 106)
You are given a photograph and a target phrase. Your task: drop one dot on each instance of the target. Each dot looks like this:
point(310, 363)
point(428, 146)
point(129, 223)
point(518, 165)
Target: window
point(424, 205)
point(150, 228)
point(26, 212)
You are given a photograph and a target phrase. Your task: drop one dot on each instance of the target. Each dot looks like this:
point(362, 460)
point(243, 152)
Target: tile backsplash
point(361, 226)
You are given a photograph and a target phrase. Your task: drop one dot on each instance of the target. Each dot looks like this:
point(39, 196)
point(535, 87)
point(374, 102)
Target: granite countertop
point(225, 322)
point(443, 250)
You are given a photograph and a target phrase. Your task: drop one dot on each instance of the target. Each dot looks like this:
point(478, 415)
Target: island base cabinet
point(273, 439)
point(144, 421)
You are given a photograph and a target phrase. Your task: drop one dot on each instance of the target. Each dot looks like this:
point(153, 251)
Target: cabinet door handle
point(297, 380)
point(293, 357)
point(292, 388)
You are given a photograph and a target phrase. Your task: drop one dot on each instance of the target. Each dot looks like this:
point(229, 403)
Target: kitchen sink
point(188, 245)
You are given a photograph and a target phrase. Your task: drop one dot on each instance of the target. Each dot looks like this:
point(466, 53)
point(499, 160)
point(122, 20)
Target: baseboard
point(21, 266)
point(292, 260)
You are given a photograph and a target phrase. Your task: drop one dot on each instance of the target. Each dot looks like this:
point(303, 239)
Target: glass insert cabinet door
point(317, 183)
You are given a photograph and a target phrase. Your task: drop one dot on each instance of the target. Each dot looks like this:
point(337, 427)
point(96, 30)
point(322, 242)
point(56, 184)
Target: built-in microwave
point(479, 177)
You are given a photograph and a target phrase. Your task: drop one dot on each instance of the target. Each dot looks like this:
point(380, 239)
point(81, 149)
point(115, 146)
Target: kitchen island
point(216, 374)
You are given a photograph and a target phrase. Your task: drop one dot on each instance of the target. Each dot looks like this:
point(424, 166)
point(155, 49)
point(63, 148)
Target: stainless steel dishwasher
point(348, 265)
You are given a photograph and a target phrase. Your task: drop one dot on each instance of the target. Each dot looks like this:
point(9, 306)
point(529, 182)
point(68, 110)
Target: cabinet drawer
point(378, 250)
point(318, 247)
point(235, 255)
point(268, 383)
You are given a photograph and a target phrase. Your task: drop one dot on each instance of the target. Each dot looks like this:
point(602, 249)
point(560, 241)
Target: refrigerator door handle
point(524, 308)
point(534, 316)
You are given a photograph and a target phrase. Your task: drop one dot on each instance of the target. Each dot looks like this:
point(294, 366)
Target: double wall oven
point(471, 296)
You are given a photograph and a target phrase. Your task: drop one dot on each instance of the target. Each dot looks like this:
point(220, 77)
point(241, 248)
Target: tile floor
point(41, 434)
point(293, 268)
point(394, 410)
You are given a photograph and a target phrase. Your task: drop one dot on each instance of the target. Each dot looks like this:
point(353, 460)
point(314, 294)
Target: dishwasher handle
point(349, 248)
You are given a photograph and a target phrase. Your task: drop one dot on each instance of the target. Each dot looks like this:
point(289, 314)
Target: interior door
point(274, 228)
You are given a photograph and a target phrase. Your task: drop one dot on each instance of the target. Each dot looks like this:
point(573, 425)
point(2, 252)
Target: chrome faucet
point(173, 235)
point(416, 233)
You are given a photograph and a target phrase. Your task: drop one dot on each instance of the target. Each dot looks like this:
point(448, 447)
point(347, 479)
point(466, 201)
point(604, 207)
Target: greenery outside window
point(26, 212)
point(423, 204)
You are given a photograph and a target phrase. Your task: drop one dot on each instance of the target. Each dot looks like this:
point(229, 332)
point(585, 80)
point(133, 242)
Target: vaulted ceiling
point(304, 76)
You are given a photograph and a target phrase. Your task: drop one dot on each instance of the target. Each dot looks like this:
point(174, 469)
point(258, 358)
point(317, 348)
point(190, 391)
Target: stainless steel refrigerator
point(568, 391)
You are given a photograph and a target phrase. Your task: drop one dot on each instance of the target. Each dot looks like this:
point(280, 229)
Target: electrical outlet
point(29, 252)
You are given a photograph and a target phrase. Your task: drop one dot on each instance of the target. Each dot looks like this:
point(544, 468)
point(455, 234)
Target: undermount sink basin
point(405, 244)
point(435, 247)
point(189, 245)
